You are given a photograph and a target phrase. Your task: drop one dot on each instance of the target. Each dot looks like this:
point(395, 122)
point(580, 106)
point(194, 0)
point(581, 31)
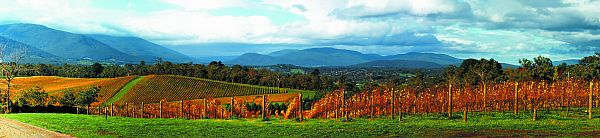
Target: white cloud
point(491, 26)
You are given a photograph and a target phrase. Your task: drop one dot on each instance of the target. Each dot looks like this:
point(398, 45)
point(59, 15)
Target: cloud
point(560, 29)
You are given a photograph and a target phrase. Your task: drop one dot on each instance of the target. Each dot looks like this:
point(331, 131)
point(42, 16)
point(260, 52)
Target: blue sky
point(506, 30)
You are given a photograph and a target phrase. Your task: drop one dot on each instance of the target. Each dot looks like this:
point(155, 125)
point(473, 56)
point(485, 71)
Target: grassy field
point(488, 124)
point(123, 91)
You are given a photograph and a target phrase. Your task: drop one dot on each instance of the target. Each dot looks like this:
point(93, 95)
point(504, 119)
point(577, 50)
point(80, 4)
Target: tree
point(591, 73)
point(542, 71)
point(34, 96)
point(487, 70)
point(88, 96)
point(97, 69)
point(452, 76)
point(468, 79)
point(9, 65)
point(68, 99)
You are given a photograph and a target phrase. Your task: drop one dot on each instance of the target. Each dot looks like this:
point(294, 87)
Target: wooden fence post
point(142, 109)
point(392, 93)
point(112, 108)
point(590, 100)
point(232, 107)
point(300, 106)
point(182, 112)
point(105, 112)
point(204, 108)
point(160, 109)
point(127, 110)
point(263, 107)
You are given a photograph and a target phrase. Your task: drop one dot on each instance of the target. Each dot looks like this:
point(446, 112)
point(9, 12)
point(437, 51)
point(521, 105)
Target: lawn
point(488, 124)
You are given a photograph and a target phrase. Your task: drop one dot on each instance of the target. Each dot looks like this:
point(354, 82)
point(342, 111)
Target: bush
point(33, 97)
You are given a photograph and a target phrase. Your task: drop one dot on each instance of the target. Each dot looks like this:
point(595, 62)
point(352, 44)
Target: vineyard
point(377, 102)
point(56, 85)
point(224, 107)
point(501, 97)
point(154, 88)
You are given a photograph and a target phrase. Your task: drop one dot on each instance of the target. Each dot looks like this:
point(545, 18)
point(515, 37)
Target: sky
point(506, 30)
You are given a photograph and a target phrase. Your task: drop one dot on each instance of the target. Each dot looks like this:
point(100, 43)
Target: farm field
point(55, 85)
point(485, 124)
point(154, 88)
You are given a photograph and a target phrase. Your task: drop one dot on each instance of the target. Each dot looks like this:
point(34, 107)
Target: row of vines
point(505, 96)
point(279, 106)
point(379, 101)
point(154, 88)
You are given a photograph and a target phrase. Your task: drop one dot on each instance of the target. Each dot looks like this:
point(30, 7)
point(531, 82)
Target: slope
point(141, 48)
point(61, 43)
point(30, 54)
point(154, 88)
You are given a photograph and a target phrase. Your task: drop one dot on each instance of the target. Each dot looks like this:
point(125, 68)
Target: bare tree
point(9, 65)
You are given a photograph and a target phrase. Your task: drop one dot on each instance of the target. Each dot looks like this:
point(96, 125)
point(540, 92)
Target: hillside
point(30, 54)
point(319, 57)
point(61, 43)
point(308, 57)
point(335, 57)
point(154, 88)
point(141, 48)
point(55, 86)
point(408, 64)
point(441, 59)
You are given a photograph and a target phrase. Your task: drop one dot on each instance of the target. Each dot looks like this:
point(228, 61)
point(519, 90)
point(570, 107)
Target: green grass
point(123, 91)
point(555, 123)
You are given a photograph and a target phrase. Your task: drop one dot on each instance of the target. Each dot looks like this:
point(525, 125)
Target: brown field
point(54, 85)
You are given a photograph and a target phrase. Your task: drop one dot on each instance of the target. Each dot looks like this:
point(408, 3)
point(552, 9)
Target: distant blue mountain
point(141, 48)
point(314, 57)
point(71, 47)
point(408, 64)
point(61, 43)
point(28, 53)
point(568, 62)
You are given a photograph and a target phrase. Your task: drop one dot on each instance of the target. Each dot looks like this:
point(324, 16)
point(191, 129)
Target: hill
point(30, 54)
point(408, 64)
point(141, 48)
point(568, 62)
point(55, 86)
point(441, 59)
point(319, 57)
point(307, 57)
point(63, 44)
point(334, 57)
point(154, 88)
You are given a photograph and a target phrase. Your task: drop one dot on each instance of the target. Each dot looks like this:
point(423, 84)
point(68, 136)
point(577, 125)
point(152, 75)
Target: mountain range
point(317, 57)
point(339, 57)
point(40, 42)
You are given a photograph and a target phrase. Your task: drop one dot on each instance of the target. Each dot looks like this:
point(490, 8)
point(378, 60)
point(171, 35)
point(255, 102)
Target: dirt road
point(11, 128)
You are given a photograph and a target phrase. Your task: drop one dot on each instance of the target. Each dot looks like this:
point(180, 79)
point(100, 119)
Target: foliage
point(34, 97)
point(89, 96)
point(68, 99)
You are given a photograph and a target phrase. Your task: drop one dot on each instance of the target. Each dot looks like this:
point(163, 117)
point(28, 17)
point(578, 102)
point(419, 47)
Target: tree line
point(214, 70)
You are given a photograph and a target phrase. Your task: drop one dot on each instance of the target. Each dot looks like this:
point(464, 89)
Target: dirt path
point(11, 128)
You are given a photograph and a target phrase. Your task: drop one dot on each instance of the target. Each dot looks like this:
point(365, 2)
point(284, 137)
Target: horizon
point(503, 30)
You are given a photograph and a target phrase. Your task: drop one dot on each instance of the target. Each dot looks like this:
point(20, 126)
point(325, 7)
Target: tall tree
point(10, 67)
point(591, 74)
point(451, 74)
point(542, 71)
point(488, 71)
